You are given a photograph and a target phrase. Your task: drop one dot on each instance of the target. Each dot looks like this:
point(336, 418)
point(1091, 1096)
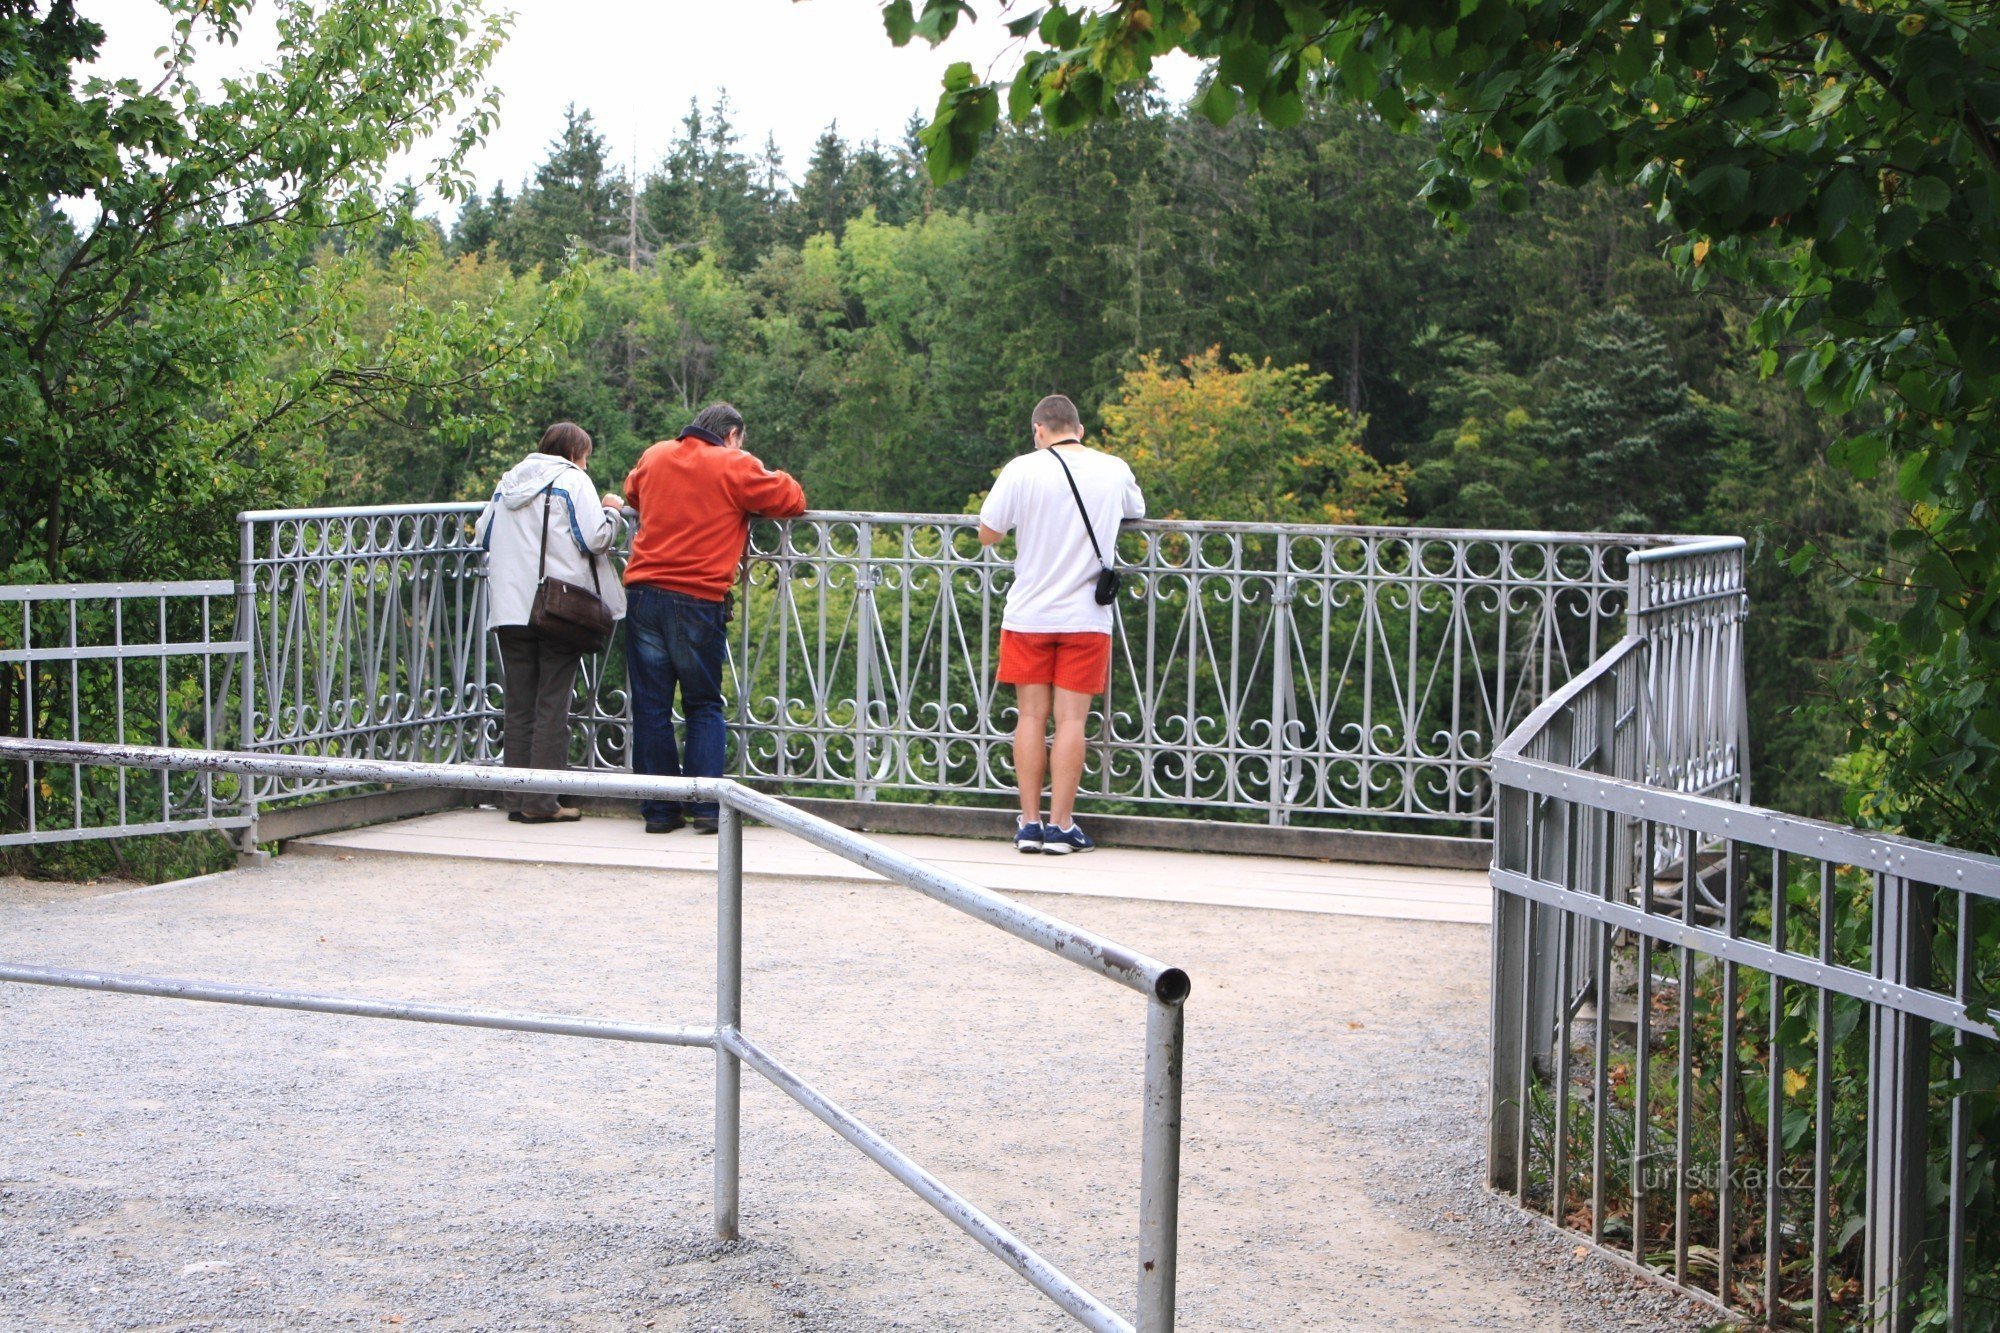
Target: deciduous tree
point(166, 305)
point(1248, 442)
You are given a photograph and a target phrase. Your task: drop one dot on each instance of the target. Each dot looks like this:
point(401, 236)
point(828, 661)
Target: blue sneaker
point(1063, 841)
point(1027, 837)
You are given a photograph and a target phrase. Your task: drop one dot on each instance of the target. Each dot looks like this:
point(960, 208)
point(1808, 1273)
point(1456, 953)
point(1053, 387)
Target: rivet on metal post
point(728, 1014)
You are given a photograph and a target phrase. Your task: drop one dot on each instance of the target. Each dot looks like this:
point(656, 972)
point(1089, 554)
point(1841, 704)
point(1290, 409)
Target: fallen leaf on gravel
point(1582, 1251)
point(1351, 1023)
point(392, 1319)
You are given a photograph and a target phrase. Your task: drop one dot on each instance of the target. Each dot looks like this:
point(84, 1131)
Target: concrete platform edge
point(1421, 851)
point(1366, 847)
point(346, 812)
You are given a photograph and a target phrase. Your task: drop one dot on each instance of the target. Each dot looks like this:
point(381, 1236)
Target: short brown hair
point(565, 439)
point(1057, 412)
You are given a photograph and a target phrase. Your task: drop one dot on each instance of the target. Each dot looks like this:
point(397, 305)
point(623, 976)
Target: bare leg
point(1066, 757)
point(1031, 753)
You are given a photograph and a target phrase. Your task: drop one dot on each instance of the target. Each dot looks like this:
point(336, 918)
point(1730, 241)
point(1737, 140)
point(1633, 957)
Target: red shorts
point(1079, 662)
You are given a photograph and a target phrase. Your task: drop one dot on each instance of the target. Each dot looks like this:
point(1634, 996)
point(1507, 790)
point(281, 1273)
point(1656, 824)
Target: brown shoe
point(563, 815)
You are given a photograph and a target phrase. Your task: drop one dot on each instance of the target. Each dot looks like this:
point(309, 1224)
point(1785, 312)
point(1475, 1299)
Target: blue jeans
point(673, 641)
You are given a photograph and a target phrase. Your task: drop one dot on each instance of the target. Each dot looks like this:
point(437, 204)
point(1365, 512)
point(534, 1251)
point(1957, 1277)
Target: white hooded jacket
point(509, 530)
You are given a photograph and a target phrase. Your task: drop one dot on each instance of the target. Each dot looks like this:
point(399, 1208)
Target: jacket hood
point(527, 478)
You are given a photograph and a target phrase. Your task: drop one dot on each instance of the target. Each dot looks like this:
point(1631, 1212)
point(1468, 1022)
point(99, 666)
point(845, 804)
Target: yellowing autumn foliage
point(1247, 442)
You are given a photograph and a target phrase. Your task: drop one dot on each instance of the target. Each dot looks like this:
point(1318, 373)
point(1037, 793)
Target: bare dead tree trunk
point(1354, 370)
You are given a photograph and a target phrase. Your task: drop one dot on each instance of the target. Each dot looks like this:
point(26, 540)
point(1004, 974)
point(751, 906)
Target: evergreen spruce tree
point(822, 204)
point(576, 197)
point(1635, 443)
point(481, 221)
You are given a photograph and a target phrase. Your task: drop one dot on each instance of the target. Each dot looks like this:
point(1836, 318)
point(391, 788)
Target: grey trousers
point(538, 679)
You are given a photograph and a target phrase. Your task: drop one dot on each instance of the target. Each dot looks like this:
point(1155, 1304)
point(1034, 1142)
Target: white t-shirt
point(1055, 569)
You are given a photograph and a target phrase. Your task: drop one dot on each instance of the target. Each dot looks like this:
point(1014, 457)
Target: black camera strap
point(1088, 530)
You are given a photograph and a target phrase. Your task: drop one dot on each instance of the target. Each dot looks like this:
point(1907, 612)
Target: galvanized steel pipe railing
point(116, 662)
point(1165, 989)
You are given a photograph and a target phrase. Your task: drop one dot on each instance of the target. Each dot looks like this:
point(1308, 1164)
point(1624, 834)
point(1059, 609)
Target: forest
point(885, 337)
point(1272, 316)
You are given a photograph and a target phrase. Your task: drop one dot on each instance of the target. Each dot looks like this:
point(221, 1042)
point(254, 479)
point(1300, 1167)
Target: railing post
point(1739, 682)
point(728, 1013)
point(482, 678)
point(246, 620)
point(1513, 814)
point(1899, 1047)
point(864, 659)
point(1281, 679)
point(1160, 1166)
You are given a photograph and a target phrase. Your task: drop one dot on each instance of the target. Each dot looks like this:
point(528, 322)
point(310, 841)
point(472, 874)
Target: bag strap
point(542, 570)
point(1088, 530)
point(590, 558)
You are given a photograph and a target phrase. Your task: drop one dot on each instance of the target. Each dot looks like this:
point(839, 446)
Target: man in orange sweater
point(695, 497)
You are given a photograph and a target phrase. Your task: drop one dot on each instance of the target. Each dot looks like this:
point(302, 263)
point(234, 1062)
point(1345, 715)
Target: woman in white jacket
point(545, 502)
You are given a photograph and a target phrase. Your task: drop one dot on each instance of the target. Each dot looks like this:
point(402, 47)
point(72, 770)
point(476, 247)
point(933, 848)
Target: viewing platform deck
point(1271, 882)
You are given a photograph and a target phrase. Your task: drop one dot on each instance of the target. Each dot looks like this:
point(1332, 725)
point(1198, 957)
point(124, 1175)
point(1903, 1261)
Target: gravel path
point(166, 1165)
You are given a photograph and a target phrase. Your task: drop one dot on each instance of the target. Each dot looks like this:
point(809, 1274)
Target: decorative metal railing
point(1750, 1052)
point(1300, 674)
point(368, 639)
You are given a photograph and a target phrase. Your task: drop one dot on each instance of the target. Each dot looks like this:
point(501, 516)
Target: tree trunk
point(1354, 370)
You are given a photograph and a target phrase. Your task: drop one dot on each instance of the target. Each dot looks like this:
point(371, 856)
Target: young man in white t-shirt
point(1055, 640)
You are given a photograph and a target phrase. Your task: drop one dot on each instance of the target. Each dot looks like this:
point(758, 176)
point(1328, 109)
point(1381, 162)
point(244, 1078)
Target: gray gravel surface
point(180, 1166)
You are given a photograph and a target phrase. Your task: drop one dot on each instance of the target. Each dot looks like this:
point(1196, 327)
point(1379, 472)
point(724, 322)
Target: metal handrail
point(1166, 989)
point(92, 592)
point(1667, 541)
point(1682, 548)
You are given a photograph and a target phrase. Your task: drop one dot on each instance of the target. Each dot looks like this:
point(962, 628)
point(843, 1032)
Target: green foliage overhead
point(176, 266)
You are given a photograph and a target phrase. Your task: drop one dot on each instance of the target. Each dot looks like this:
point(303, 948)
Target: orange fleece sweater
point(695, 502)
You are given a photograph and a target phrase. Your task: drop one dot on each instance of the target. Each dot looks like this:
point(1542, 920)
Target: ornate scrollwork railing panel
point(1298, 672)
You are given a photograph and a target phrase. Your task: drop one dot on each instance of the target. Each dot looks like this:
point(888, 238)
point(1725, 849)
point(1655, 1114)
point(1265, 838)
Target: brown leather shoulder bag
point(566, 614)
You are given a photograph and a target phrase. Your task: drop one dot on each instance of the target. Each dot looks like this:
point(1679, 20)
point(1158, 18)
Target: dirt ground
point(169, 1165)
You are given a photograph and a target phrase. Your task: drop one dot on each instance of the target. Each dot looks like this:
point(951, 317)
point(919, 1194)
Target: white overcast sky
point(789, 68)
